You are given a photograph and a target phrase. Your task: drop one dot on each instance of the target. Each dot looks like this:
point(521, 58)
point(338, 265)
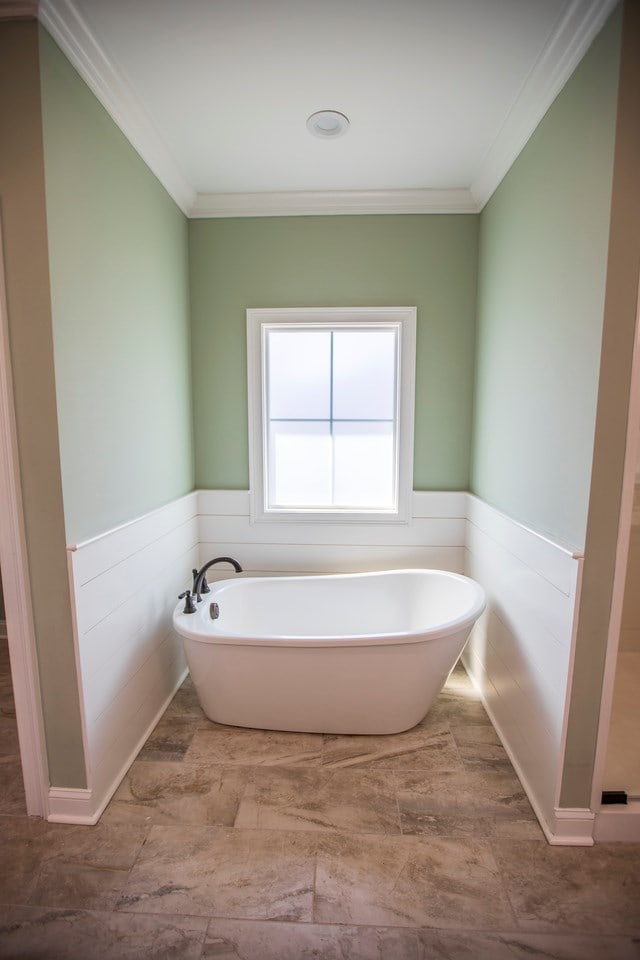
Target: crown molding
point(336, 202)
point(575, 31)
point(62, 20)
point(566, 46)
point(18, 9)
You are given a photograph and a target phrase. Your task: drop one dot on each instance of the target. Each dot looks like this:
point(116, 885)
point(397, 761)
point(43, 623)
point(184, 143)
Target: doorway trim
point(632, 451)
point(16, 587)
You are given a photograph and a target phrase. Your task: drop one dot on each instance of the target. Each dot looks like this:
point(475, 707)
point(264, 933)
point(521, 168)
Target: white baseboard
point(619, 825)
point(85, 807)
point(71, 806)
point(572, 827)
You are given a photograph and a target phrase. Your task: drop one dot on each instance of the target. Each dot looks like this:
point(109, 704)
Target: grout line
point(313, 885)
point(394, 774)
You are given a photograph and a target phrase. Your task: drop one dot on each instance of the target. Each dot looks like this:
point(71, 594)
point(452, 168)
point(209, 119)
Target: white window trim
point(256, 319)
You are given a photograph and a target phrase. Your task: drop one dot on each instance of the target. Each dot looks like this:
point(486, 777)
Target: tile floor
point(252, 845)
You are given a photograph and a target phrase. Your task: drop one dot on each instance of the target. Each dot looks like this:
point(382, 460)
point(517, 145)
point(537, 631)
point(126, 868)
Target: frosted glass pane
point(299, 465)
point(364, 374)
point(364, 469)
point(299, 373)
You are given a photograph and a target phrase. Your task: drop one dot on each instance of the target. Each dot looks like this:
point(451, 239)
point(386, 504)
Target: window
point(331, 412)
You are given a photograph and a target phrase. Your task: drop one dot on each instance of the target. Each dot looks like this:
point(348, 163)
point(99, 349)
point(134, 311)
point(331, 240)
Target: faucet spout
point(200, 584)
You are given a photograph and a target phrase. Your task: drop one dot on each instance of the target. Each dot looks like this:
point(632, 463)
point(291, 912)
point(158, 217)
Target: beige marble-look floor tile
point(36, 933)
point(295, 798)
point(586, 889)
point(214, 743)
point(409, 881)
point(473, 734)
point(503, 946)
point(453, 707)
point(428, 825)
point(85, 867)
point(4, 655)
point(12, 798)
point(9, 746)
point(273, 940)
point(178, 793)
point(170, 739)
point(22, 847)
point(507, 829)
point(478, 745)
point(7, 702)
point(465, 797)
point(185, 703)
point(218, 872)
point(421, 748)
point(478, 755)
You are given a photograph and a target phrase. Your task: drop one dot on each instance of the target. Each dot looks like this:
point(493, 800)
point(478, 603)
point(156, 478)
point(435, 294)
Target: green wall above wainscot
point(120, 305)
point(544, 238)
point(423, 261)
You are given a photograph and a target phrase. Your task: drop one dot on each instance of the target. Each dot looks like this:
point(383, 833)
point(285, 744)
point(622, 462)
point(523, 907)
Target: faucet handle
point(189, 606)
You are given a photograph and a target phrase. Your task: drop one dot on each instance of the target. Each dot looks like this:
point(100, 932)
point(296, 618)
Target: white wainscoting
point(130, 662)
point(434, 537)
point(520, 655)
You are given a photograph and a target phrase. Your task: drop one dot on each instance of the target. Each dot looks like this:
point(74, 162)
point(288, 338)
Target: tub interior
point(394, 602)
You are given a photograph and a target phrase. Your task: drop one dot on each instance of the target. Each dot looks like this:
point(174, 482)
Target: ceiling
point(214, 94)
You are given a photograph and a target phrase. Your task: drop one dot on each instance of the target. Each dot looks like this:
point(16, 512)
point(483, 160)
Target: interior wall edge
point(22, 189)
point(620, 307)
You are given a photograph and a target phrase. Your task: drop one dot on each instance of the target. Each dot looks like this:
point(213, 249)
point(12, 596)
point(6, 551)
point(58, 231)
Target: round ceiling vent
point(327, 124)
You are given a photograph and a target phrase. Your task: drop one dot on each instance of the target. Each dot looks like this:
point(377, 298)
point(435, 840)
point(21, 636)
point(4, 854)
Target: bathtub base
point(342, 690)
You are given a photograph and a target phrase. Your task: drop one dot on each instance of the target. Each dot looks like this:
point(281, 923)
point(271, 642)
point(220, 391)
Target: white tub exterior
point(351, 653)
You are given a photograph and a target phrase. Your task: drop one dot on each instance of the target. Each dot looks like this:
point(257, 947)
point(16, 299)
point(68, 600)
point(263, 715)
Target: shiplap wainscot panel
point(433, 537)
point(520, 654)
point(130, 661)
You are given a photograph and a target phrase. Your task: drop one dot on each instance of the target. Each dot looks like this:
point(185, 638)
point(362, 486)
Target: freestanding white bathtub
point(353, 653)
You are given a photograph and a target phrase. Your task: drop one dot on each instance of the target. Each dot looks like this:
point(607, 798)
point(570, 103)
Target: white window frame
point(258, 320)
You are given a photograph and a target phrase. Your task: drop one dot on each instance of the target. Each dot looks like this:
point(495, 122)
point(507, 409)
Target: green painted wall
point(543, 259)
point(426, 261)
point(119, 285)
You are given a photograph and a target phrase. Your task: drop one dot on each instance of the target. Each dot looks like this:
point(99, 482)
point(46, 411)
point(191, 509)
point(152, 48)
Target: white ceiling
point(214, 94)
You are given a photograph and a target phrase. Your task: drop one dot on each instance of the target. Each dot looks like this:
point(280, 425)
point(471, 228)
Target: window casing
point(331, 404)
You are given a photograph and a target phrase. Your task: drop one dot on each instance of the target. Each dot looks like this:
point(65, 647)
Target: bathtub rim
point(209, 632)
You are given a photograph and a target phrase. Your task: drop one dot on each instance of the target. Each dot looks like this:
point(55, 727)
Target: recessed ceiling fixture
point(327, 123)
